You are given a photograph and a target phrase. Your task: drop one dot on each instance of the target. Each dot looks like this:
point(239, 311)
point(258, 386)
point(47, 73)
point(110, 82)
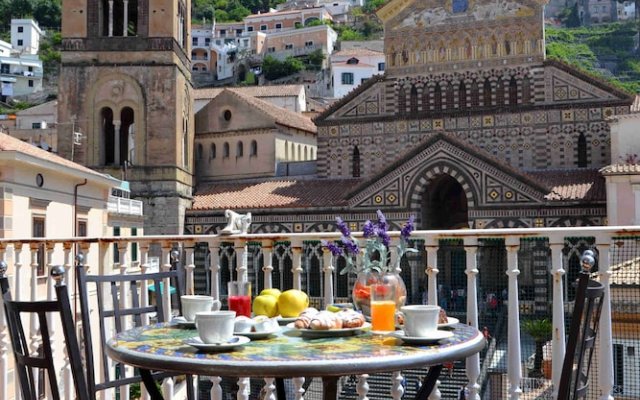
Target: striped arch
point(426, 177)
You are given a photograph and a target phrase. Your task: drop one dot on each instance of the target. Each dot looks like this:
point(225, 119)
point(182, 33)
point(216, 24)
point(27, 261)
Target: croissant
point(325, 320)
point(304, 319)
point(351, 318)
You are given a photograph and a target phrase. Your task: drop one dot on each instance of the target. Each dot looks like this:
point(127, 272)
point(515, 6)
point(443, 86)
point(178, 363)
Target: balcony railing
point(121, 205)
point(496, 278)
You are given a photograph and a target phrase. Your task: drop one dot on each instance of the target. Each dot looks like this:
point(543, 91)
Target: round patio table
point(288, 354)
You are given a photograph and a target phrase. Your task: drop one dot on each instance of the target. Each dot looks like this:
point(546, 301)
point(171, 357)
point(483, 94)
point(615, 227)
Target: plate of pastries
point(313, 323)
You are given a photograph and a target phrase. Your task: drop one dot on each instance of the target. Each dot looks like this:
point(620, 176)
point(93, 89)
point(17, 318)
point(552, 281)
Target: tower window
point(254, 148)
point(413, 100)
point(118, 20)
point(225, 150)
point(212, 151)
point(582, 151)
point(356, 162)
point(239, 150)
point(513, 91)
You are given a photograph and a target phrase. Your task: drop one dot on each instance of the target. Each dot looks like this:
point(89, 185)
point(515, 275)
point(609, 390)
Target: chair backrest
point(574, 380)
point(108, 292)
point(25, 362)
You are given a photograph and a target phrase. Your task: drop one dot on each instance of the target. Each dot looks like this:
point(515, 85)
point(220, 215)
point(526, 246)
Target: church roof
point(255, 91)
point(282, 116)
point(572, 185)
point(621, 169)
point(346, 99)
point(356, 52)
point(286, 193)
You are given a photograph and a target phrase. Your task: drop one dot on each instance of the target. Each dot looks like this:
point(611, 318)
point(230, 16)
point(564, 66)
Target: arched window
point(199, 151)
point(425, 98)
point(513, 91)
point(402, 101)
point(293, 152)
point(582, 151)
point(486, 93)
point(286, 150)
point(225, 150)
point(313, 156)
point(254, 148)
point(306, 153)
point(299, 154)
point(108, 136)
point(475, 94)
point(450, 97)
point(526, 90)
point(437, 97)
point(239, 149)
point(500, 92)
point(462, 96)
point(212, 151)
point(356, 163)
point(413, 100)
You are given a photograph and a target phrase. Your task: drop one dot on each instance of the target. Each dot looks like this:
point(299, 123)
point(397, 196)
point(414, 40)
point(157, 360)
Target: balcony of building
point(494, 279)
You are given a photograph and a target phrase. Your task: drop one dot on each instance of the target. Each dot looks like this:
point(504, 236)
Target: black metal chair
point(111, 284)
point(574, 380)
point(26, 363)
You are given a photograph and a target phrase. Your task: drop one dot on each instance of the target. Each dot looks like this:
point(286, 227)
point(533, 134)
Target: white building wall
point(365, 69)
point(27, 41)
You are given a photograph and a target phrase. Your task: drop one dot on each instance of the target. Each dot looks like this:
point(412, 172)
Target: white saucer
point(258, 335)
point(450, 322)
point(235, 341)
point(434, 337)
point(183, 323)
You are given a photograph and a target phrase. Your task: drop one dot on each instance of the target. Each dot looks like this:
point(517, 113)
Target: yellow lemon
point(292, 302)
point(265, 305)
point(271, 292)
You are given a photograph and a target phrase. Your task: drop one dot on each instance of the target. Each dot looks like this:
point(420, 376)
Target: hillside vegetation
point(608, 51)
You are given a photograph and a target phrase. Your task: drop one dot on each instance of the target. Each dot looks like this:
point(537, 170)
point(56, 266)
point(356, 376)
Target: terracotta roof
point(357, 51)
point(8, 143)
point(256, 91)
point(621, 169)
point(350, 96)
point(290, 193)
point(358, 65)
point(576, 184)
point(40, 109)
point(281, 115)
point(282, 12)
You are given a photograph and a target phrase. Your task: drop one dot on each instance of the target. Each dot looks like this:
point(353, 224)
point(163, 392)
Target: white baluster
point(298, 389)
point(397, 390)
point(50, 320)
point(514, 369)
point(296, 253)
point(244, 389)
point(362, 387)
point(4, 337)
point(167, 383)
point(17, 295)
point(431, 247)
point(558, 339)
point(144, 298)
point(241, 260)
point(267, 269)
point(473, 362)
point(214, 266)
point(432, 289)
point(216, 389)
point(328, 270)
point(33, 321)
point(270, 389)
point(67, 377)
point(605, 361)
point(189, 271)
point(125, 303)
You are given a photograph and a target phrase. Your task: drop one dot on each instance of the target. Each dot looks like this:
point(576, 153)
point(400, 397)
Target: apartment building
point(21, 69)
point(351, 67)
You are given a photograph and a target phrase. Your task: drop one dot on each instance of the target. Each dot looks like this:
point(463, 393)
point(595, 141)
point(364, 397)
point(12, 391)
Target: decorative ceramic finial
point(57, 273)
point(588, 261)
point(3, 268)
point(80, 260)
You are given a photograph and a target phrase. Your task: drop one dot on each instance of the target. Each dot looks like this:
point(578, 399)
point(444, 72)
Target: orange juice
point(383, 315)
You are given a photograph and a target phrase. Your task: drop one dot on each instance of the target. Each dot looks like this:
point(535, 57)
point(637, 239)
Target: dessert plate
point(183, 323)
point(319, 333)
point(258, 335)
point(232, 343)
point(286, 320)
point(433, 338)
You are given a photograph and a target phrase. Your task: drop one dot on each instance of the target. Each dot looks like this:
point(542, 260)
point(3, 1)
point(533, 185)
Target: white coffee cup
point(420, 320)
point(215, 327)
point(191, 304)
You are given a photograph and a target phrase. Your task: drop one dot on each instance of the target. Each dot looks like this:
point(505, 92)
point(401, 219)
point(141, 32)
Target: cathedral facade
point(470, 126)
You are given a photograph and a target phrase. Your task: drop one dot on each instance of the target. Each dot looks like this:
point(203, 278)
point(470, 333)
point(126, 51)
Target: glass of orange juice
point(383, 307)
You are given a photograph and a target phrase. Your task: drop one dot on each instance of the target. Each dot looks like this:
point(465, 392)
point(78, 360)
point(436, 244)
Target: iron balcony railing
point(494, 279)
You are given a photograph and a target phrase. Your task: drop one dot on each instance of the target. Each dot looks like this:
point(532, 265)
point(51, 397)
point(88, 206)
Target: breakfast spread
point(311, 318)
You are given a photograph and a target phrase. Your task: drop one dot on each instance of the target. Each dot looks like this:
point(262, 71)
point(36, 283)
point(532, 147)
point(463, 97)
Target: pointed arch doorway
point(444, 205)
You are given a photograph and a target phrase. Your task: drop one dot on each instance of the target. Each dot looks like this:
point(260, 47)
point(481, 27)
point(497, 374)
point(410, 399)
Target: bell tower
point(125, 102)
